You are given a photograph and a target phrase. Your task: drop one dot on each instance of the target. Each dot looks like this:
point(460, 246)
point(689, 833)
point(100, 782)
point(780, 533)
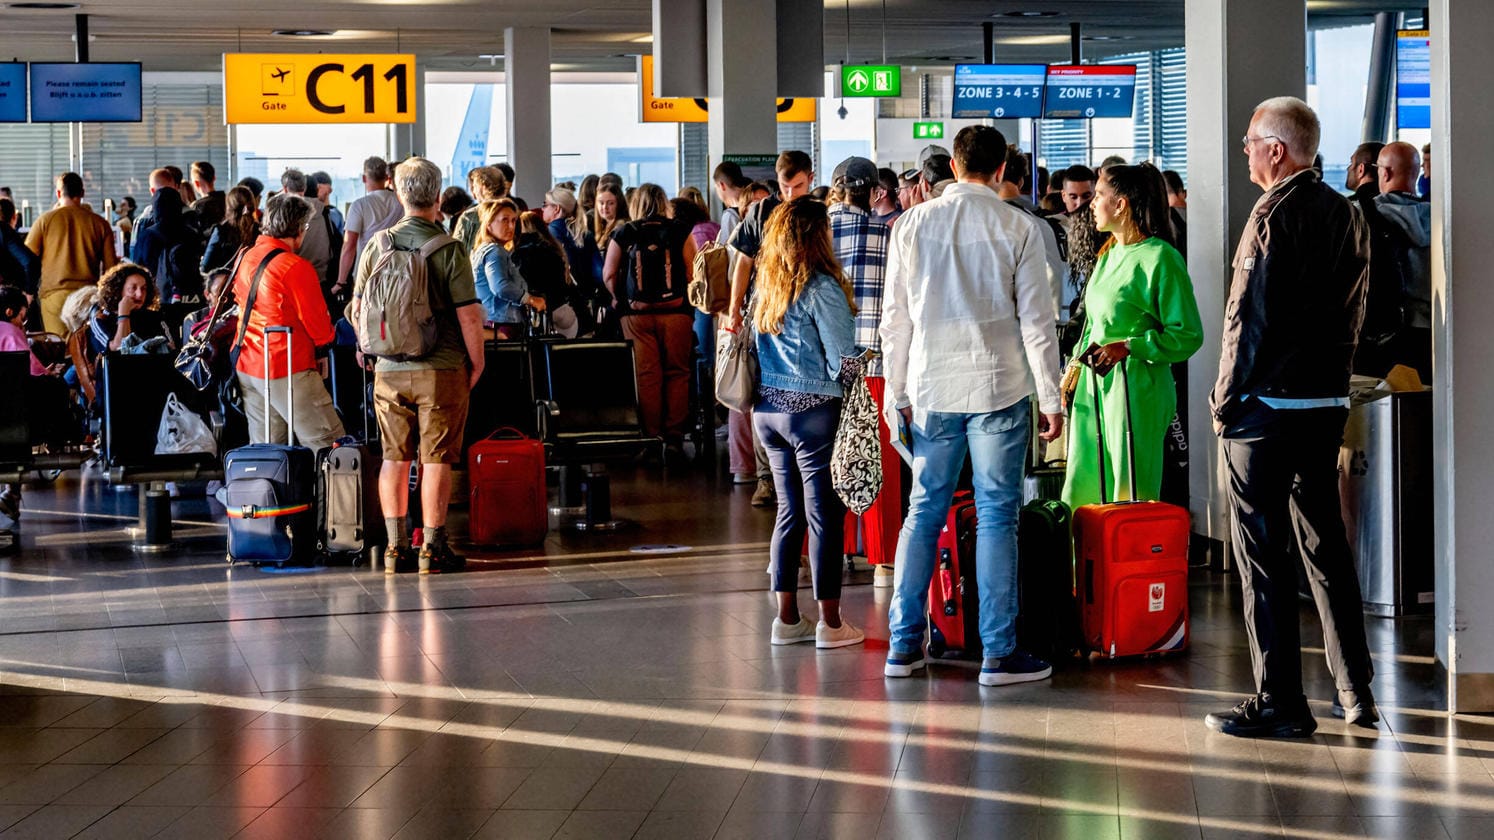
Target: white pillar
point(742, 39)
point(526, 66)
point(1240, 52)
point(1463, 430)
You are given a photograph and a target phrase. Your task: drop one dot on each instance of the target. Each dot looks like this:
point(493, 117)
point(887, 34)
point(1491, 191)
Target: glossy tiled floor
point(588, 691)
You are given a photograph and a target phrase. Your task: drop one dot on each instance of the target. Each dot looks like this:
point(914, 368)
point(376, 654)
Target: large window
point(594, 128)
point(1338, 67)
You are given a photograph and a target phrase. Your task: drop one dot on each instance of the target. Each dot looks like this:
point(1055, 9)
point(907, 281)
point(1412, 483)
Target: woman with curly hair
point(126, 306)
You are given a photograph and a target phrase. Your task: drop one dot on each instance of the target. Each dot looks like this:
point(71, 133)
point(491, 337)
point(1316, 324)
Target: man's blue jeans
point(997, 443)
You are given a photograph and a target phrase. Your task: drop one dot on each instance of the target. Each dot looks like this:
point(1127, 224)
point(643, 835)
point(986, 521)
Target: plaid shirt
point(861, 247)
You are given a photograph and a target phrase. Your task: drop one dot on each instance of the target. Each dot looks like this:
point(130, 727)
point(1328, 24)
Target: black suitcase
point(350, 520)
point(269, 492)
point(1047, 613)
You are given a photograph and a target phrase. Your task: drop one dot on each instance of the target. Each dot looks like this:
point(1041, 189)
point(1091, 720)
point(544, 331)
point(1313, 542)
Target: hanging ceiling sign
point(679, 109)
point(297, 88)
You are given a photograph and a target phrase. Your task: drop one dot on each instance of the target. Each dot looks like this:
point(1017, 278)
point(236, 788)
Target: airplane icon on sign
point(279, 74)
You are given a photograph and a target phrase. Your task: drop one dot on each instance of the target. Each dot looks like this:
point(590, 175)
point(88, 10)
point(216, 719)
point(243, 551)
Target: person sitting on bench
point(45, 394)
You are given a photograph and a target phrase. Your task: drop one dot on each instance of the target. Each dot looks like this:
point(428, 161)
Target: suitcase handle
point(290, 389)
point(1094, 379)
point(507, 433)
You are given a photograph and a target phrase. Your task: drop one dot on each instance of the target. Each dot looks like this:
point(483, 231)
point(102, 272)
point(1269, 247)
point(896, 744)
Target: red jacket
point(290, 295)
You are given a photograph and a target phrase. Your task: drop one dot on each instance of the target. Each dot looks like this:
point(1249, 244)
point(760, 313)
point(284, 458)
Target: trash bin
point(1385, 479)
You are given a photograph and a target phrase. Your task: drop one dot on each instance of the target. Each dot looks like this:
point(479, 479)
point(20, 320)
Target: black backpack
point(653, 277)
point(334, 247)
point(178, 270)
point(1390, 277)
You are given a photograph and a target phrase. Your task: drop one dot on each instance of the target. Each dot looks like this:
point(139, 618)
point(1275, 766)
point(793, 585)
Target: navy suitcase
point(269, 492)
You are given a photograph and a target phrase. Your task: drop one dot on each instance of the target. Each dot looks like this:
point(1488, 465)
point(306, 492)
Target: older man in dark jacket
point(1295, 308)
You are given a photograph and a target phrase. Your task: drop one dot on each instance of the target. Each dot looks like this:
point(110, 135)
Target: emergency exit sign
point(871, 80)
point(928, 131)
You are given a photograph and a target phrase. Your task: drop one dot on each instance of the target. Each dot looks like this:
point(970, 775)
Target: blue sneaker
point(1016, 667)
point(903, 664)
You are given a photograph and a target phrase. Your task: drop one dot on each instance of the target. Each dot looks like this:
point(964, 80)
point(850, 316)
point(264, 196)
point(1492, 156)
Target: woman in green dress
point(1141, 314)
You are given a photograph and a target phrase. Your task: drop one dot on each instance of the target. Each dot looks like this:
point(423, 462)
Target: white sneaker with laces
point(827, 637)
point(883, 576)
point(789, 634)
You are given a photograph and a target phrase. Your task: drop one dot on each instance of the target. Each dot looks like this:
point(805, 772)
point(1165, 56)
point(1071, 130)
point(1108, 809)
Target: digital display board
point(1090, 91)
point(1413, 78)
point(998, 90)
point(12, 92)
point(85, 92)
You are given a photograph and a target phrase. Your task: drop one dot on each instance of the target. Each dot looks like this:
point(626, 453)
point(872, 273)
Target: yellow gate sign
point(680, 109)
point(300, 88)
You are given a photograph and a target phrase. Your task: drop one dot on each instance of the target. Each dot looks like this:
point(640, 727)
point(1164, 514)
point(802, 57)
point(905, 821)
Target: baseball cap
point(854, 172)
point(929, 151)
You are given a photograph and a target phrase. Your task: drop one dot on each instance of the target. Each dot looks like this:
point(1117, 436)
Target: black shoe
point(1357, 708)
point(1255, 718)
point(440, 560)
point(399, 560)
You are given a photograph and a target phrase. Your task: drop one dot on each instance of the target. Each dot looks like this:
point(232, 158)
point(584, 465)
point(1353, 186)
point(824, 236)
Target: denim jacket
point(818, 330)
point(500, 287)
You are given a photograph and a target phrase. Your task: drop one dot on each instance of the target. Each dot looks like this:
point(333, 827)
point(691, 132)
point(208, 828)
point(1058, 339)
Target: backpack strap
point(434, 244)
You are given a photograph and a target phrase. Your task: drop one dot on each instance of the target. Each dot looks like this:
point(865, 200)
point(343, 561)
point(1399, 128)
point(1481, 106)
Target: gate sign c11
point(300, 88)
point(1413, 78)
point(1090, 91)
point(998, 90)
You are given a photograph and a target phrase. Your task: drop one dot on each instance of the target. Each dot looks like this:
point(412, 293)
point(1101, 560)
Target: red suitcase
point(1131, 564)
point(954, 613)
point(507, 475)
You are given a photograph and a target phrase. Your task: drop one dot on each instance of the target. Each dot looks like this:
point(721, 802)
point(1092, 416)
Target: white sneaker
point(789, 634)
point(883, 576)
point(827, 637)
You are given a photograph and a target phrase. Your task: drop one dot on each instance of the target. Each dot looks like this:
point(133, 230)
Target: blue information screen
point(12, 92)
point(85, 92)
point(1413, 78)
point(1089, 91)
point(998, 90)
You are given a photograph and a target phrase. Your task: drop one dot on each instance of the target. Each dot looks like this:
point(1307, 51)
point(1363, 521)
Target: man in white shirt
point(376, 210)
point(968, 336)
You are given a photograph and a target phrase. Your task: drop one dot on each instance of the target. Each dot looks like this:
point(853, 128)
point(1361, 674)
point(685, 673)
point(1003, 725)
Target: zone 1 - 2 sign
point(299, 88)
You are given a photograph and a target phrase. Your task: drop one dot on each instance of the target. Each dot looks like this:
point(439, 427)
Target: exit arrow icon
point(857, 81)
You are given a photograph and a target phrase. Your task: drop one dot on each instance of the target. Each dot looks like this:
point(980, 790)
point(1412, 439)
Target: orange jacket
point(290, 295)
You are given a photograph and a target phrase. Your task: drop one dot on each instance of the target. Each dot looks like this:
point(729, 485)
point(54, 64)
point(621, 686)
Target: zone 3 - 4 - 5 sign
point(299, 88)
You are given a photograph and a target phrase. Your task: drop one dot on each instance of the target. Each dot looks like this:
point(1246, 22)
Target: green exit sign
point(871, 80)
point(928, 131)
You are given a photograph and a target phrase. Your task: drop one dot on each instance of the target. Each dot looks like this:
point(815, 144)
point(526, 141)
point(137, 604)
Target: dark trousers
point(799, 448)
point(1283, 489)
point(661, 360)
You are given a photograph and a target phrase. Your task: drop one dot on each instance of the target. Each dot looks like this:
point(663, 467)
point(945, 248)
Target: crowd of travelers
point(973, 314)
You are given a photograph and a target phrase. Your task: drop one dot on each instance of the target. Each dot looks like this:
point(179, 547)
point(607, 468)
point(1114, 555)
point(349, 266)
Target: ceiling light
point(304, 33)
point(490, 56)
point(1027, 14)
point(1106, 37)
point(642, 39)
point(42, 6)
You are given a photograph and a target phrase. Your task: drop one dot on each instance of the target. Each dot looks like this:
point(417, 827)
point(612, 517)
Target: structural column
point(526, 65)
point(1240, 52)
point(742, 39)
point(409, 138)
point(1462, 310)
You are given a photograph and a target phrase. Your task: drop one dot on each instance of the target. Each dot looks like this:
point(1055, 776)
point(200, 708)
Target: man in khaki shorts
point(422, 405)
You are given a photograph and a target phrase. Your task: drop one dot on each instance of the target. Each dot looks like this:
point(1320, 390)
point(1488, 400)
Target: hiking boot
point(440, 560)
point(764, 496)
point(1256, 717)
point(398, 560)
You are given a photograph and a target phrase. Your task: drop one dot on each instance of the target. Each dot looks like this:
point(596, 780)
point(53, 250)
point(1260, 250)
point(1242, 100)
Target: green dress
point(1139, 292)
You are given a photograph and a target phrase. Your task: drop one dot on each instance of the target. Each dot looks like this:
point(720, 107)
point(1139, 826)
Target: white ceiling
point(588, 34)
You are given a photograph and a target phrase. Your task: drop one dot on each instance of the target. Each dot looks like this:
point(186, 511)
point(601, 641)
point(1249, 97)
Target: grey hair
point(1293, 122)
point(418, 183)
point(286, 215)
point(293, 180)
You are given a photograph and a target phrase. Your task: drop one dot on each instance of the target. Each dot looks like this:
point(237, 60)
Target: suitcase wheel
point(936, 648)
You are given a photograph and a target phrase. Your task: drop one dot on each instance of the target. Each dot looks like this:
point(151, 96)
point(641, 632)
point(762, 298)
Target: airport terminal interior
point(598, 653)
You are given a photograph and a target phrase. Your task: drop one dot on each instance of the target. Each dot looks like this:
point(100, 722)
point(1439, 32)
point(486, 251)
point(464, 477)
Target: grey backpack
point(396, 316)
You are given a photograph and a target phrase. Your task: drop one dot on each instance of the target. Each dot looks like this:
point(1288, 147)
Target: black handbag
point(198, 358)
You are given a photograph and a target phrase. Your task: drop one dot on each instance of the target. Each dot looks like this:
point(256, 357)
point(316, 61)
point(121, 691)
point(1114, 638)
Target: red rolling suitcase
point(1132, 564)
point(507, 474)
point(954, 612)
